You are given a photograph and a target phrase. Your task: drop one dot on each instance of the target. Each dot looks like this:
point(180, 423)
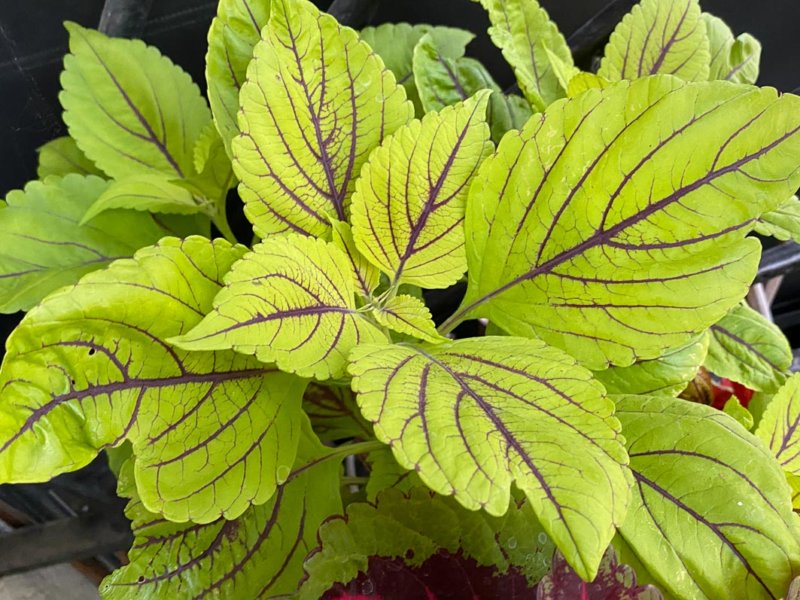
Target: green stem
point(355, 480)
point(454, 320)
point(339, 452)
point(221, 220)
point(224, 228)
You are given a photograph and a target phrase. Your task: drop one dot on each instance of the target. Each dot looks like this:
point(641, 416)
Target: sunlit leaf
point(474, 415)
point(747, 348)
point(711, 510)
point(233, 34)
point(402, 547)
point(408, 207)
point(290, 301)
point(613, 226)
point(43, 246)
point(779, 427)
point(732, 59)
point(89, 368)
point(258, 555)
point(445, 77)
point(61, 157)
point(316, 102)
point(585, 81)
point(659, 36)
point(129, 108)
point(668, 375)
point(524, 32)
point(408, 315)
point(783, 223)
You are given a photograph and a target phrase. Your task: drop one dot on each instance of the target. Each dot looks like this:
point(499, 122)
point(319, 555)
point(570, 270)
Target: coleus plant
point(599, 221)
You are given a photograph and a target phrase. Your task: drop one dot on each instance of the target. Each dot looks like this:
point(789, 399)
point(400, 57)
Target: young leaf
point(61, 156)
point(43, 246)
point(316, 102)
point(233, 34)
point(211, 163)
point(778, 427)
point(367, 276)
point(151, 192)
point(747, 348)
point(403, 546)
point(783, 223)
point(586, 81)
point(408, 315)
point(524, 32)
point(738, 413)
point(614, 581)
point(290, 301)
point(408, 207)
point(444, 77)
point(732, 59)
point(658, 36)
point(258, 555)
point(668, 375)
point(711, 511)
point(334, 413)
point(613, 226)
point(473, 415)
point(130, 109)
point(395, 42)
point(89, 368)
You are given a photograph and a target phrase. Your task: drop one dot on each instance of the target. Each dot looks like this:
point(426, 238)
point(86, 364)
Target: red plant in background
point(725, 388)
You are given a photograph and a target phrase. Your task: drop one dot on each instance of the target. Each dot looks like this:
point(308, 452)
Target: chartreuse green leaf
point(474, 415)
point(659, 36)
point(395, 42)
point(316, 102)
point(43, 246)
point(334, 413)
point(233, 34)
point(747, 348)
point(585, 81)
point(711, 509)
point(212, 165)
point(445, 77)
point(667, 375)
point(129, 108)
point(408, 315)
point(368, 277)
point(783, 223)
point(613, 226)
point(290, 301)
point(149, 192)
point(524, 32)
point(739, 413)
point(258, 555)
point(778, 427)
point(732, 59)
point(414, 527)
point(90, 368)
point(408, 206)
point(61, 157)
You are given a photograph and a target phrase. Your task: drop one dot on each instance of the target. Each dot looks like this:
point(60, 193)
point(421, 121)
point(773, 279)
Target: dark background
point(33, 42)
